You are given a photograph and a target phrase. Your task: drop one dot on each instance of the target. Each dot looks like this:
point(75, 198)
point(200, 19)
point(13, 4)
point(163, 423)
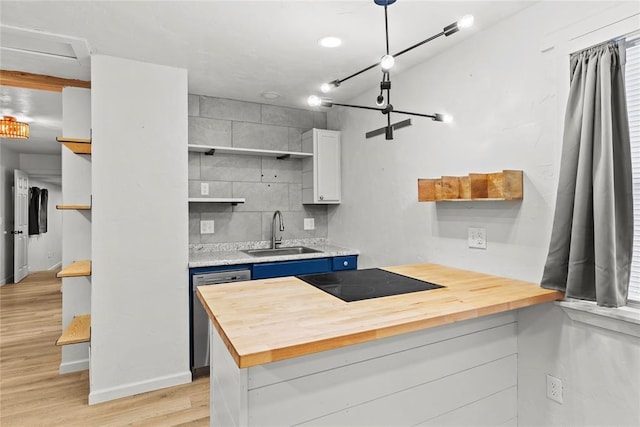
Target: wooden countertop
point(263, 321)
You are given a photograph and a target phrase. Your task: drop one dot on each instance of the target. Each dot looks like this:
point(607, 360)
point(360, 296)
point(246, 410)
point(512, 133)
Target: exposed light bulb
point(387, 62)
point(444, 118)
point(465, 22)
point(380, 100)
point(314, 101)
point(325, 87)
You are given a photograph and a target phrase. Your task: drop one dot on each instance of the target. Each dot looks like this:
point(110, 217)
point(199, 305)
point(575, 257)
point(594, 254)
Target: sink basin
point(294, 250)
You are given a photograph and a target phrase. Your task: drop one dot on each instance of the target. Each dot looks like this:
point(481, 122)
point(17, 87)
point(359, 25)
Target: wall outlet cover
point(309, 223)
point(477, 237)
point(204, 188)
point(554, 388)
point(207, 227)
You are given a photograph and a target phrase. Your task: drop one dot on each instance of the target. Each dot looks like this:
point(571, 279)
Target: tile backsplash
point(267, 184)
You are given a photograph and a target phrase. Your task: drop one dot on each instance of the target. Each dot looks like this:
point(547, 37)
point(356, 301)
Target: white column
point(140, 308)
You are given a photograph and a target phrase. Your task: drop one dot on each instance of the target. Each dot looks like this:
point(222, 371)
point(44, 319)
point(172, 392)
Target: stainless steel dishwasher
point(200, 319)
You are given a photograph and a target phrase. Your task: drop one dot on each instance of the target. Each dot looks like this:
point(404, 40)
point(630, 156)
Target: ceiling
point(231, 49)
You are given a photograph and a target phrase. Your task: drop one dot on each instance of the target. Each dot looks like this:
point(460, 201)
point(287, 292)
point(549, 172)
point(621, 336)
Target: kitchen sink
point(293, 250)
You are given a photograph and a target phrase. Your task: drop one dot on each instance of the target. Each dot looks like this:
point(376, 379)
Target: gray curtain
point(592, 235)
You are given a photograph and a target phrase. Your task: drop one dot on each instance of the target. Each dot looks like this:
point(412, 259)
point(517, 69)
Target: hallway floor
point(33, 393)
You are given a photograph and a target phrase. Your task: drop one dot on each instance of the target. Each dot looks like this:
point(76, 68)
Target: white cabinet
point(321, 182)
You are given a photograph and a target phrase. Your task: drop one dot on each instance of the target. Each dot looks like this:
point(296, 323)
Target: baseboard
point(55, 266)
point(104, 395)
point(75, 366)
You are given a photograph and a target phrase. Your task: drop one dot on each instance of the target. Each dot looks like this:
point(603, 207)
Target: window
point(632, 83)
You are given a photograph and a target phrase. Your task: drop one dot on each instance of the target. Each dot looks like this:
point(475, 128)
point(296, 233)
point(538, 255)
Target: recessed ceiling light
point(270, 95)
point(330, 41)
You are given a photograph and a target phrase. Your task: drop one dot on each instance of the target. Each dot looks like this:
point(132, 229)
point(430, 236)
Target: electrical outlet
point(204, 188)
point(207, 227)
point(309, 223)
point(554, 388)
point(477, 237)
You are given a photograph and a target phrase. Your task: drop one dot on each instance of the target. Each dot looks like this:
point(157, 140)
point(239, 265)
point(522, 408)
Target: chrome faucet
point(276, 242)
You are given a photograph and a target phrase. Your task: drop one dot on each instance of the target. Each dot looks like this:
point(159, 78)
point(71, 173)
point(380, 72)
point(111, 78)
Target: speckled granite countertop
point(231, 253)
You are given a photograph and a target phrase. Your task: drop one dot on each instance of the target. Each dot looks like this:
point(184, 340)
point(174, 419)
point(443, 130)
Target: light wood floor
point(33, 393)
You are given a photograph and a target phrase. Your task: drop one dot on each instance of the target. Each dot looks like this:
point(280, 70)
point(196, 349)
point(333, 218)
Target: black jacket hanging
point(34, 208)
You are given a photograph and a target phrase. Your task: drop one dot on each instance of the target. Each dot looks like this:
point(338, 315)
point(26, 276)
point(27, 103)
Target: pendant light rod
point(431, 116)
point(386, 28)
point(337, 82)
point(363, 107)
point(436, 117)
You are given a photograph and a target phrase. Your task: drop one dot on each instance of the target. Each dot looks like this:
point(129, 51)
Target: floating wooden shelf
point(79, 330)
point(76, 269)
point(505, 185)
point(233, 201)
point(248, 151)
point(74, 207)
point(77, 145)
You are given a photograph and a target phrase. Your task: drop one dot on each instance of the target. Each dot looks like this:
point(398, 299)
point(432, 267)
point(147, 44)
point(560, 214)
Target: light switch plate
point(477, 237)
point(309, 223)
point(204, 188)
point(207, 227)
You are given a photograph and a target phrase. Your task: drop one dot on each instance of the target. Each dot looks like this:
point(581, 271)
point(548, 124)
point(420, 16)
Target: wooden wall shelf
point(74, 207)
point(77, 145)
point(505, 185)
point(76, 269)
point(79, 330)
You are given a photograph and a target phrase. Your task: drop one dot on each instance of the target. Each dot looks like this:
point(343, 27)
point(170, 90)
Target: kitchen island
point(284, 352)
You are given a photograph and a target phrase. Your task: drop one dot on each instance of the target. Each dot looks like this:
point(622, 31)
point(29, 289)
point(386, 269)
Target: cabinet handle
point(346, 263)
point(321, 197)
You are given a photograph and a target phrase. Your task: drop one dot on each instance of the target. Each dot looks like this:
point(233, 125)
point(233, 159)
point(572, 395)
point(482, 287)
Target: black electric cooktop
point(356, 285)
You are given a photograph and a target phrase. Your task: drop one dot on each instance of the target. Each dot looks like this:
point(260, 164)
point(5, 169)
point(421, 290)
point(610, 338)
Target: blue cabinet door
point(349, 262)
point(291, 268)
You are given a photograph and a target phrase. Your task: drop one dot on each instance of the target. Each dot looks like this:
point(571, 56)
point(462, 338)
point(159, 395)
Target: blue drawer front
point(291, 268)
point(345, 262)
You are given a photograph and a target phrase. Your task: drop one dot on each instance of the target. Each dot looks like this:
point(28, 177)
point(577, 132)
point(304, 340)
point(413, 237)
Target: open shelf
point(74, 207)
point(77, 145)
point(498, 186)
point(248, 152)
point(76, 269)
point(79, 330)
point(233, 201)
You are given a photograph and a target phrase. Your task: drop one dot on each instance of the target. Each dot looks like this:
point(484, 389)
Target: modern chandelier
point(13, 129)
point(383, 100)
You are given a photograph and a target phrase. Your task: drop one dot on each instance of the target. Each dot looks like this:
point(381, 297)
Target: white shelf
point(248, 151)
point(233, 201)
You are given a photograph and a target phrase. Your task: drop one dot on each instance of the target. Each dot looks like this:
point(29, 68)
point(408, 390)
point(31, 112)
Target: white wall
point(42, 167)
point(599, 370)
point(140, 306)
point(9, 160)
point(507, 97)
point(45, 250)
point(76, 225)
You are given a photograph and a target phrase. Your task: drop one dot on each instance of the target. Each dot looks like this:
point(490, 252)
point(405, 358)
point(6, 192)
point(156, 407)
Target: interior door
point(20, 225)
